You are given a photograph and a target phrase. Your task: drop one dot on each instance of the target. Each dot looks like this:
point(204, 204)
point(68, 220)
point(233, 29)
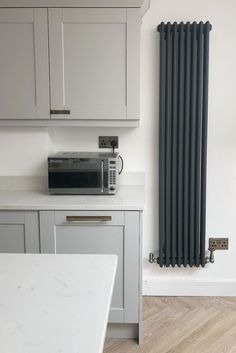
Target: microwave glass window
point(87, 176)
point(75, 180)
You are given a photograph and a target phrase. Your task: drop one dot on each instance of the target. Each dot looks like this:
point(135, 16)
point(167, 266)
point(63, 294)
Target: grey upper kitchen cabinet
point(19, 232)
point(24, 68)
point(88, 232)
point(94, 63)
point(70, 66)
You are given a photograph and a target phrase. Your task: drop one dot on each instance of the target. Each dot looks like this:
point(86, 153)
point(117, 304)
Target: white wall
point(23, 151)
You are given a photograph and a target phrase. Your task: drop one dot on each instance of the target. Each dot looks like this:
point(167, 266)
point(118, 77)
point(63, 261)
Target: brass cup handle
point(88, 218)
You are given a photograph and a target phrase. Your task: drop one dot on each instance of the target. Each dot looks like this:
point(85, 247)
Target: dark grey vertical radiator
point(184, 62)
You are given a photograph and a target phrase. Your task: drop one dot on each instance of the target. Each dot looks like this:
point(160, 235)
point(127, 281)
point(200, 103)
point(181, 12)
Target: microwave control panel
point(112, 175)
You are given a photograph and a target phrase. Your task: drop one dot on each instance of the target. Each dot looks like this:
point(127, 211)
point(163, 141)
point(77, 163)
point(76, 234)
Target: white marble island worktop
point(127, 198)
point(55, 303)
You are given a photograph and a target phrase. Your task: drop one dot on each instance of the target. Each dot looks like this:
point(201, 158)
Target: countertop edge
point(71, 208)
point(128, 198)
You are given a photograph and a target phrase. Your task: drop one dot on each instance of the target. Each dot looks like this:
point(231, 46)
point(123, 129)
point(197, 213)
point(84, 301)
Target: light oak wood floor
point(184, 325)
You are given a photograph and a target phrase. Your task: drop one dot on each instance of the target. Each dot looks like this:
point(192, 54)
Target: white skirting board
point(160, 287)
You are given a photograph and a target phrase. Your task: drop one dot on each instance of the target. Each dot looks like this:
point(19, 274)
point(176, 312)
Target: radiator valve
point(211, 258)
point(152, 258)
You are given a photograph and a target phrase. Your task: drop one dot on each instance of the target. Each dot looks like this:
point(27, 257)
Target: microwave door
point(95, 176)
point(81, 176)
point(88, 176)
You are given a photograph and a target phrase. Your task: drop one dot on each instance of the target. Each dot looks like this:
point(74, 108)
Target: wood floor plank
point(184, 325)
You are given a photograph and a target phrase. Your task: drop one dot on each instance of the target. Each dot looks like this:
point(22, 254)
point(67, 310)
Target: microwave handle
point(102, 176)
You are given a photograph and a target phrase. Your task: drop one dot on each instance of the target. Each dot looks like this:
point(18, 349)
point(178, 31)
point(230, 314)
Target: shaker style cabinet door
point(19, 232)
point(94, 63)
point(24, 64)
point(85, 232)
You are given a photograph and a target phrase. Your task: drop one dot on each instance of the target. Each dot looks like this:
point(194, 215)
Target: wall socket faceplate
point(108, 141)
point(218, 243)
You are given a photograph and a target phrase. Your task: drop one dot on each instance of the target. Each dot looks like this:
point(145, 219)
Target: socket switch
point(108, 142)
point(218, 243)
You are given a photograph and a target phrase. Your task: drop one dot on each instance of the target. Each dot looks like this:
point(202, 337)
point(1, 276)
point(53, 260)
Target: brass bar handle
point(64, 112)
point(88, 218)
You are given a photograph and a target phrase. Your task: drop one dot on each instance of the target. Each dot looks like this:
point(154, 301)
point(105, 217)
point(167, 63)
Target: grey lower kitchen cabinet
point(19, 232)
point(102, 232)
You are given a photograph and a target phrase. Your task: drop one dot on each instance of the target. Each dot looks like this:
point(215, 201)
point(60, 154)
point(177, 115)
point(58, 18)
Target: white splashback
point(23, 151)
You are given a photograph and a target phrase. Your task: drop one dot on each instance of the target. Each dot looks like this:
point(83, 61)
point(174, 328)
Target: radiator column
point(184, 67)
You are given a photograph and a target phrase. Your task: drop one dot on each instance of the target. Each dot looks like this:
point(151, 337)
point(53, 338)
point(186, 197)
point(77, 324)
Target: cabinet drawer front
point(98, 218)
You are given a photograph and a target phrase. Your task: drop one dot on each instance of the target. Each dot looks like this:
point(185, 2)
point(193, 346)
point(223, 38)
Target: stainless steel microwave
point(85, 173)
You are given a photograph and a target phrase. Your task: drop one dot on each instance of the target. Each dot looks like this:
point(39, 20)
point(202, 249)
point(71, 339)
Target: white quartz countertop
point(127, 198)
point(55, 303)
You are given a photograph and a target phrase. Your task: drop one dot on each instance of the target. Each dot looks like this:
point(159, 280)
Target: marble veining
point(55, 303)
